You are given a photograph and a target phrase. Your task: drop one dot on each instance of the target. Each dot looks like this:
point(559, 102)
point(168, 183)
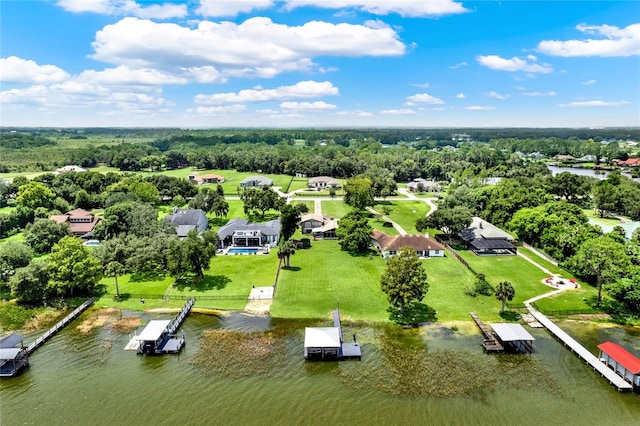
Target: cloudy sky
point(297, 63)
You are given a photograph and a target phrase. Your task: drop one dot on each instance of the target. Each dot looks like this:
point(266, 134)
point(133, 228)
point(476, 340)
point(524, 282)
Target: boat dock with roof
point(326, 343)
point(14, 358)
point(581, 351)
point(159, 337)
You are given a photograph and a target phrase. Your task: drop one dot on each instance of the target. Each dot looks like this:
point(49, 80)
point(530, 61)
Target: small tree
point(115, 269)
point(504, 292)
point(404, 280)
point(285, 251)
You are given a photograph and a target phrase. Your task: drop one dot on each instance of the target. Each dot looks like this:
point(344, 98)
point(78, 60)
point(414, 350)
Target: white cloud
point(221, 110)
point(231, 8)
point(613, 41)
point(125, 75)
point(460, 96)
point(407, 8)
point(18, 70)
point(595, 103)
point(588, 82)
point(480, 108)
point(423, 98)
point(495, 62)
point(356, 113)
point(255, 47)
point(497, 95)
point(539, 94)
point(456, 66)
point(302, 89)
point(125, 7)
point(398, 111)
point(421, 85)
point(307, 106)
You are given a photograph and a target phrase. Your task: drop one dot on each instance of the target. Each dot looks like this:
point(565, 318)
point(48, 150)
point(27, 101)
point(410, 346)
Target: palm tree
point(285, 251)
point(504, 292)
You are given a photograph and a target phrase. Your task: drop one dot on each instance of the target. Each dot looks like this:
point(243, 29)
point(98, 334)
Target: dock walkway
point(59, 326)
point(491, 343)
point(177, 321)
point(581, 351)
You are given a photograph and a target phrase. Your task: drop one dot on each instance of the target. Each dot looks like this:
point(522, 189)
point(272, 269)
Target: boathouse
point(513, 337)
point(326, 344)
point(621, 361)
point(153, 336)
point(13, 356)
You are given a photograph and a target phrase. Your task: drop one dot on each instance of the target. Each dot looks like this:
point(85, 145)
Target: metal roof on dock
point(154, 330)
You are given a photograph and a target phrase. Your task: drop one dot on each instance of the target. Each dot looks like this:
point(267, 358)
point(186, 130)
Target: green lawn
point(404, 212)
point(309, 290)
point(231, 276)
point(336, 208)
point(609, 221)
point(228, 276)
point(323, 277)
point(525, 277)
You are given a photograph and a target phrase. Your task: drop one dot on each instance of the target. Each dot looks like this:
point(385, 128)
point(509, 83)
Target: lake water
point(432, 375)
point(555, 170)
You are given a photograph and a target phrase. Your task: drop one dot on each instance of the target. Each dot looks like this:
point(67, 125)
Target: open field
point(609, 220)
point(337, 208)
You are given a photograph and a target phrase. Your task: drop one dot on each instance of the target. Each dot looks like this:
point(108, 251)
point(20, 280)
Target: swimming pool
point(92, 243)
point(236, 250)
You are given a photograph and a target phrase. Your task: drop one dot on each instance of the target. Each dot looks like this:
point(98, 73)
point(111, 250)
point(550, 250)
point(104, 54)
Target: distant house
point(323, 182)
point(423, 185)
point(484, 238)
point(81, 222)
point(186, 220)
point(205, 179)
point(389, 245)
point(631, 162)
point(621, 361)
point(491, 180)
point(256, 181)
point(70, 168)
point(241, 233)
point(564, 157)
point(320, 226)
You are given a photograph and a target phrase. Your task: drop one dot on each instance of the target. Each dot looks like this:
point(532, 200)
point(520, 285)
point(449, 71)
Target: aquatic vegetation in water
point(119, 324)
point(413, 371)
point(238, 354)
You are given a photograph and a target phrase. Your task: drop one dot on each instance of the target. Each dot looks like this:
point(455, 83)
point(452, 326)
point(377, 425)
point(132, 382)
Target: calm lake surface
point(431, 375)
point(555, 170)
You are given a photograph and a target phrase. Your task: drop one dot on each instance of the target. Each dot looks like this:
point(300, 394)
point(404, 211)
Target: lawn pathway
point(398, 228)
point(411, 196)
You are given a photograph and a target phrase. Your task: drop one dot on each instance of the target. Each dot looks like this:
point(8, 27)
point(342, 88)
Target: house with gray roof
point(241, 233)
point(323, 182)
point(256, 182)
point(186, 220)
point(485, 239)
point(423, 185)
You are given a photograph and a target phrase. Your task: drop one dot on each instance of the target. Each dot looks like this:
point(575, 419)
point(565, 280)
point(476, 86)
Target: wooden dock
point(581, 351)
point(59, 326)
point(491, 343)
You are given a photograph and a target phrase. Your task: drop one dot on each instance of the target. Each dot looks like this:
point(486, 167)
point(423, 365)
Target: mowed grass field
point(227, 276)
point(323, 276)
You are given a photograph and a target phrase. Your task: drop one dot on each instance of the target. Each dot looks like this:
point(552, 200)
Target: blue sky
point(302, 63)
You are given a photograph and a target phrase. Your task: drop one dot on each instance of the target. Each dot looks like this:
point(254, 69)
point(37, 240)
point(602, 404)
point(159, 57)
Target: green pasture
point(609, 220)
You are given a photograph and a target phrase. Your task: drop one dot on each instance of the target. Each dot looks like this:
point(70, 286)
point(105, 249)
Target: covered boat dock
point(14, 357)
point(326, 343)
point(513, 337)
